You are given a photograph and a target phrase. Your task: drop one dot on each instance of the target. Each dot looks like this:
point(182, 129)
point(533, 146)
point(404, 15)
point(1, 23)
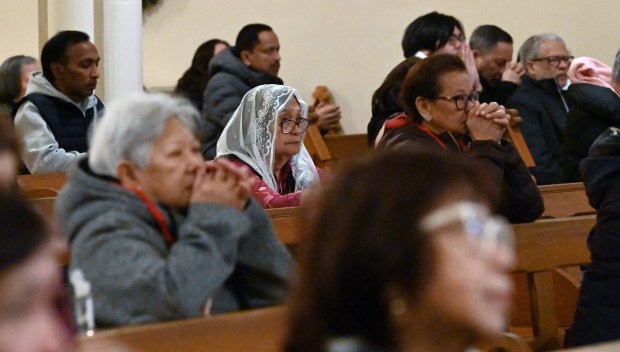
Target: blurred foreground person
point(32, 318)
point(393, 263)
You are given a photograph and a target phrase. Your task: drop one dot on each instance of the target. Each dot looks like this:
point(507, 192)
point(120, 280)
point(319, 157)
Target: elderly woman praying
point(160, 233)
point(266, 133)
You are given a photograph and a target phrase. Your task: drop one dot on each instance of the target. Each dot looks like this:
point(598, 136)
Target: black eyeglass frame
point(557, 59)
point(294, 124)
point(474, 96)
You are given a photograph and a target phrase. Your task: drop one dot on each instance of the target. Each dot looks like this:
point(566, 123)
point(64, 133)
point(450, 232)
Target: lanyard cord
point(430, 133)
point(159, 217)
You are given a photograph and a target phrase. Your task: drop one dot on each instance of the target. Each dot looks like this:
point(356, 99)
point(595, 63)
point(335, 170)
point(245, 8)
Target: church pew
point(542, 247)
point(41, 186)
point(566, 199)
point(332, 151)
point(260, 330)
point(513, 133)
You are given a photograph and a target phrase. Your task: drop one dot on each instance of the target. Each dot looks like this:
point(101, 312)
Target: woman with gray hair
point(160, 233)
point(266, 133)
point(14, 74)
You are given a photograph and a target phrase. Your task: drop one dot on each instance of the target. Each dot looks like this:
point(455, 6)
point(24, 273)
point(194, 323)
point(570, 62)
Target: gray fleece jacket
point(41, 152)
point(230, 80)
point(220, 253)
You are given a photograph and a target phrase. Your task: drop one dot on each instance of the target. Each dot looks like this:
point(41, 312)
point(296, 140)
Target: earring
point(398, 308)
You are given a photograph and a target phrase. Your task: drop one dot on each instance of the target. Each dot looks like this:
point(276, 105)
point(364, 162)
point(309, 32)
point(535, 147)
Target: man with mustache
point(253, 61)
point(541, 103)
point(53, 119)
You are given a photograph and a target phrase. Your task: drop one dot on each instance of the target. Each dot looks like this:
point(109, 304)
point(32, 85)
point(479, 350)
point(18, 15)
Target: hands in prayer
point(222, 182)
point(487, 121)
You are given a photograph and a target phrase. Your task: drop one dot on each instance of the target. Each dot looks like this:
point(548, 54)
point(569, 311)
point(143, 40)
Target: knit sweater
point(220, 253)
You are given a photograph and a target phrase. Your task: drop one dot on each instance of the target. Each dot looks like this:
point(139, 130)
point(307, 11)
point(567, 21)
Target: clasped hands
point(223, 182)
point(487, 121)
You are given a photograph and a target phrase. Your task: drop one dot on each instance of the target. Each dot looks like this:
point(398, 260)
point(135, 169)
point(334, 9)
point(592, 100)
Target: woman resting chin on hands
point(160, 233)
point(443, 113)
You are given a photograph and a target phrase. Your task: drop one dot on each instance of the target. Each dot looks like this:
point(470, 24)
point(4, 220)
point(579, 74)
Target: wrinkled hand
point(328, 115)
point(513, 72)
point(468, 58)
point(487, 121)
point(224, 183)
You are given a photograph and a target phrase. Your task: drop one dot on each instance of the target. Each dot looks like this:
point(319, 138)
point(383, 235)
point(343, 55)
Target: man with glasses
point(541, 103)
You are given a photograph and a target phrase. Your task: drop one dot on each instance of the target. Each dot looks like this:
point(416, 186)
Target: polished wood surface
point(260, 330)
point(566, 199)
point(41, 186)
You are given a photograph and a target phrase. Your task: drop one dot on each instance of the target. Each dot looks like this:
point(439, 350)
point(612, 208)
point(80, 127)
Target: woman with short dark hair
point(443, 113)
point(14, 74)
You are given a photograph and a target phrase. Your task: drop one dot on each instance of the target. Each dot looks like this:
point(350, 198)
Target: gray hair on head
point(615, 74)
point(529, 49)
point(131, 125)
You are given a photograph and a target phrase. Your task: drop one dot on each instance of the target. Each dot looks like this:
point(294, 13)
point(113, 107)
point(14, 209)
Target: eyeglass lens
point(288, 126)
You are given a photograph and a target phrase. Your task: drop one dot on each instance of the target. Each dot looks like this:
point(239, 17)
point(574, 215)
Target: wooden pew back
point(542, 247)
point(566, 199)
point(332, 151)
point(41, 186)
point(260, 330)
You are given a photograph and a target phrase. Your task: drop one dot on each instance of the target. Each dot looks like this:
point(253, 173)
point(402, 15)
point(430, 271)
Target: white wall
point(348, 45)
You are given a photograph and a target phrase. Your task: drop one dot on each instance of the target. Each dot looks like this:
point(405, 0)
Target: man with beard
point(541, 103)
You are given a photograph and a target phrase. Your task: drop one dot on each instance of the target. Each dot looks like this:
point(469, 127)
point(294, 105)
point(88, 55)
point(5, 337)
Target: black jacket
point(499, 93)
point(230, 80)
point(597, 318)
point(594, 109)
point(543, 109)
point(518, 196)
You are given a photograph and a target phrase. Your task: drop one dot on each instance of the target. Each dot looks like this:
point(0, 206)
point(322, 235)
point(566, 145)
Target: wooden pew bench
point(41, 186)
point(566, 199)
point(542, 247)
point(260, 330)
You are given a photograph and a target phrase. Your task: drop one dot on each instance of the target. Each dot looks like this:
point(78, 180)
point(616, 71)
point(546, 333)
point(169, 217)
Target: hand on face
point(328, 114)
point(513, 72)
point(222, 182)
point(467, 56)
point(487, 121)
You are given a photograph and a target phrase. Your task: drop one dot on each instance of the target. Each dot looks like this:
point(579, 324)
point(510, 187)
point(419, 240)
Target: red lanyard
point(430, 133)
point(159, 217)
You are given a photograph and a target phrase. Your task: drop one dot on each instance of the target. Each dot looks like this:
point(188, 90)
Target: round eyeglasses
point(555, 60)
point(461, 100)
point(287, 126)
point(484, 232)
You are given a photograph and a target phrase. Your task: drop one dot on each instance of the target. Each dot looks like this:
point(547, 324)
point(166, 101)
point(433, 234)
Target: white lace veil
point(251, 133)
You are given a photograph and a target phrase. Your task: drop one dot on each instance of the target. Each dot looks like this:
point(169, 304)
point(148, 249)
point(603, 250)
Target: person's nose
point(503, 257)
point(95, 73)
point(277, 56)
point(194, 161)
point(563, 64)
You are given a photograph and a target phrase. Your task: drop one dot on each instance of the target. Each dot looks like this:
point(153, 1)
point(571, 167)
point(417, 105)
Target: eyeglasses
point(287, 126)
point(484, 232)
point(454, 39)
point(461, 100)
point(555, 60)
